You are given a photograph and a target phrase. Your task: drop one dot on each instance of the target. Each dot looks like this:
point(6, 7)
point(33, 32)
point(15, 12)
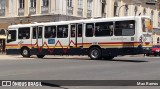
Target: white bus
point(98, 38)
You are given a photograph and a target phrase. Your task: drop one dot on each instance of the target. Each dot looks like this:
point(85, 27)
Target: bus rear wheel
point(40, 56)
point(95, 53)
point(25, 52)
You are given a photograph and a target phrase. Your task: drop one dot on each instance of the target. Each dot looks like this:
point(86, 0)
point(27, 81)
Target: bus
point(98, 38)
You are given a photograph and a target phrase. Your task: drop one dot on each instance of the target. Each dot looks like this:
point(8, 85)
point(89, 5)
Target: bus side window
point(73, 30)
point(62, 31)
point(89, 29)
point(24, 33)
point(50, 31)
point(80, 28)
point(40, 32)
point(34, 33)
point(104, 29)
point(125, 28)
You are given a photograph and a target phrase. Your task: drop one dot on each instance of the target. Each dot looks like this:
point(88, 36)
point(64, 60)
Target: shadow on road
point(52, 85)
point(85, 58)
point(136, 61)
point(116, 60)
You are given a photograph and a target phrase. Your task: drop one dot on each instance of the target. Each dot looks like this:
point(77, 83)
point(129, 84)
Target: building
point(26, 11)
point(156, 36)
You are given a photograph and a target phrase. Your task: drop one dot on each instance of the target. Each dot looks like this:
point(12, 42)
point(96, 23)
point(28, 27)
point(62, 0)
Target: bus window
point(24, 33)
point(50, 31)
point(40, 32)
point(62, 31)
point(34, 33)
point(11, 36)
point(124, 28)
point(89, 29)
point(80, 27)
point(73, 30)
point(104, 29)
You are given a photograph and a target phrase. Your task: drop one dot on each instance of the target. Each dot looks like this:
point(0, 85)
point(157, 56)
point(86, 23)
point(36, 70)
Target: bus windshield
point(11, 36)
point(146, 25)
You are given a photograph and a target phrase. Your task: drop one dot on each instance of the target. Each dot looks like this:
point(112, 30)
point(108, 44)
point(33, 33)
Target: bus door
point(37, 37)
point(76, 39)
point(40, 36)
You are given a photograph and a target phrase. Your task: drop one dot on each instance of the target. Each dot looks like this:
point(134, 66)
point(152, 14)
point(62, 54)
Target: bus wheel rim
point(94, 53)
point(25, 52)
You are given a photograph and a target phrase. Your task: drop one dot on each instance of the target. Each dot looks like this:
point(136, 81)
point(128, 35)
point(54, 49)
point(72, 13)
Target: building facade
point(26, 11)
point(23, 9)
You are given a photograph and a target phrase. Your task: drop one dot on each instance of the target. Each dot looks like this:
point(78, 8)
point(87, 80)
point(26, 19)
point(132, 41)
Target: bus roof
point(78, 21)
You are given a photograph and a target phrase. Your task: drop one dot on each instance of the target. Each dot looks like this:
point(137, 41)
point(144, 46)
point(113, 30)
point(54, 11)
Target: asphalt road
point(79, 68)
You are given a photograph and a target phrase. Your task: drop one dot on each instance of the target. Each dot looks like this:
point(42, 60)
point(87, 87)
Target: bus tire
point(147, 54)
point(95, 53)
point(40, 56)
point(108, 57)
point(25, 52)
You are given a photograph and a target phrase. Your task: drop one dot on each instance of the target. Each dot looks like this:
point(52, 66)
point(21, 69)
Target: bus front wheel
point(25, 52)
point(40, 56)
point(95, 53)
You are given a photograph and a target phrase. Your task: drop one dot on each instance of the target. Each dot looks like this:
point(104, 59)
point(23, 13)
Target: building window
point(80, 3)
point(89, 4)
point(144, 12)
point(103, 8)
point(21, 4)
point(2, 4)
point(135, 10)
point(159, 19)
point(33, 3)
point(115, 8)
point(89, 8)
point(126, 10)
point(80, 8)
point(24, 33)
point(152, 14)
point(45, 3)
point(70, 3)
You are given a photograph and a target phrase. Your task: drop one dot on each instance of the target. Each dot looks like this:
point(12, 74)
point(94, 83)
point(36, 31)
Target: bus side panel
point(121, 51)
point(59, 51)
point(13, 51)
